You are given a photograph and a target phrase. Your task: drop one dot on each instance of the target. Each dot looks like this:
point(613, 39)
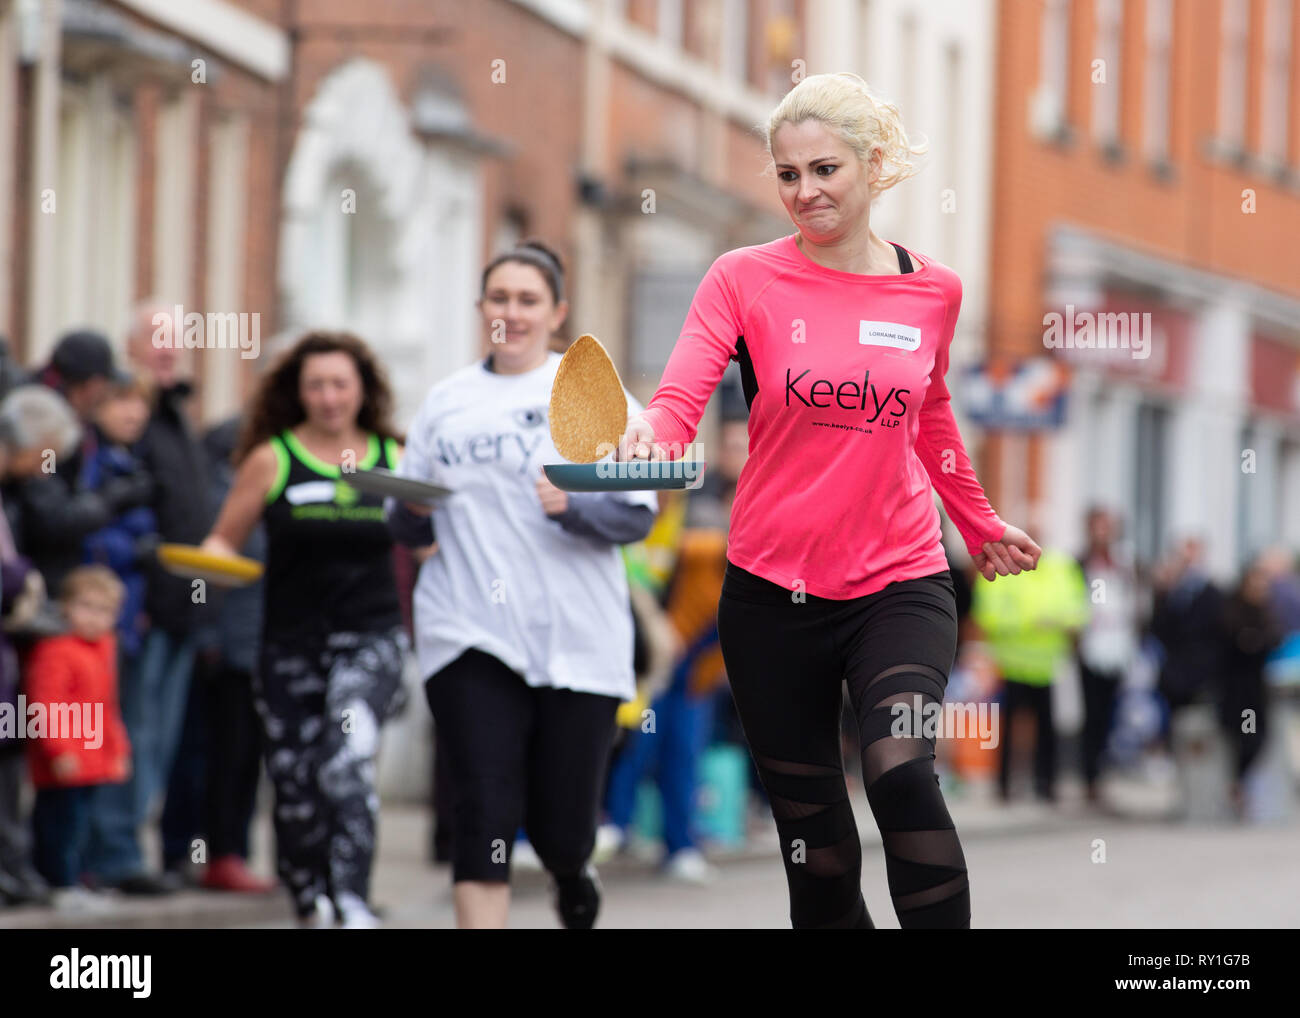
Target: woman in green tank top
point(333, 643)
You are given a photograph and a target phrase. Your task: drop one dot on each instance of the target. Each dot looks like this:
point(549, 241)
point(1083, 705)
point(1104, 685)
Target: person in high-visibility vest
point(1030, 622)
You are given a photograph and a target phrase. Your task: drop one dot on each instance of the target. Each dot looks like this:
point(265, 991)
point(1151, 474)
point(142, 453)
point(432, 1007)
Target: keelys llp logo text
point(75, 971)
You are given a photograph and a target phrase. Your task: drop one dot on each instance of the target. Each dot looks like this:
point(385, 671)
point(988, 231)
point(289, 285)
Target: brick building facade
point(1148, 162)
point(345, 164)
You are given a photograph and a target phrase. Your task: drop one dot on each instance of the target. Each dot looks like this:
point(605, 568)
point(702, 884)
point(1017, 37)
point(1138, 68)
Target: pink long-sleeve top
point(850, 418)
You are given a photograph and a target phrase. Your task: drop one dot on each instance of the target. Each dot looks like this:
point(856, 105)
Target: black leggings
point(519, 754)
point(786, 660)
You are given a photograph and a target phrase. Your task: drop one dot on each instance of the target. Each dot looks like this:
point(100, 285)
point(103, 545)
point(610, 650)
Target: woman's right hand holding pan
point(638, 442)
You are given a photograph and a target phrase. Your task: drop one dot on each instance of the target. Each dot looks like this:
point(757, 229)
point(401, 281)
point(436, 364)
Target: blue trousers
point(682, 724)
point(60, 826)
point(153, 691)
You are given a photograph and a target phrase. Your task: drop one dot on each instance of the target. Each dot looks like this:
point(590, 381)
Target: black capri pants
point(786, 660)
point(519, 754)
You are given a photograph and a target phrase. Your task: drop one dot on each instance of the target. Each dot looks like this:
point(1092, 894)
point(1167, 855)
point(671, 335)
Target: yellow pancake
point(588, 405)
point(192, 562)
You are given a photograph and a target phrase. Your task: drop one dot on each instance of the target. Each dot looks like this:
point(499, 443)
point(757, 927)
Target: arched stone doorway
point(381, 232)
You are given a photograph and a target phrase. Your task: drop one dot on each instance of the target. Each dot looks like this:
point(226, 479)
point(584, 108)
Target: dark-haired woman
point(522, 619)
point(332, 640)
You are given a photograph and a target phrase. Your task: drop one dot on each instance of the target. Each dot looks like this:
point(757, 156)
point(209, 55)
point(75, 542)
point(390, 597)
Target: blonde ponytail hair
point(844, 103)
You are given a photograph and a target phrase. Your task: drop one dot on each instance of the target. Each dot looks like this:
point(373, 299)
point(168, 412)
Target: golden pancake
point(588, 405)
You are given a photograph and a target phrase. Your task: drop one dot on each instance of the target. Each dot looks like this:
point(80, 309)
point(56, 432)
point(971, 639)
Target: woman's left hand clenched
point(554, 500)
point(1015, 551)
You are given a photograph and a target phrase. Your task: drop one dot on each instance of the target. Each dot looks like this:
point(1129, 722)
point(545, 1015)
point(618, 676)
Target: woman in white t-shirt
point(522, 616)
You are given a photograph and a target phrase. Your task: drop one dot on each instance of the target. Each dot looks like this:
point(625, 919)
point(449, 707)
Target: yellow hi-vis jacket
point(1028, 619)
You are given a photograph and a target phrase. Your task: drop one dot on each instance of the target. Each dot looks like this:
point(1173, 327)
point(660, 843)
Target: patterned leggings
point(321, 708)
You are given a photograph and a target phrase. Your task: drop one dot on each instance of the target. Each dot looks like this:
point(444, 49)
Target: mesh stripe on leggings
point(821, 849)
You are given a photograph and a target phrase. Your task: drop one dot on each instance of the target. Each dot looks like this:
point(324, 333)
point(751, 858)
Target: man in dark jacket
point(212, 790)
point(156, 684)
point(1185, 619)
point(176, 459)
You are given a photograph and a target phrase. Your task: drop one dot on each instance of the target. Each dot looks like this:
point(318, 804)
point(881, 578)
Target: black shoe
point(24, 887)
point(185, 874)
point(149, 885)
point(10, 889)
point(577, 899)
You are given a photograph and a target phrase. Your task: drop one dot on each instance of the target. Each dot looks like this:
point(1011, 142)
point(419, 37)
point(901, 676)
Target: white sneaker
point(609, 842)
point(320, 919)
point(79, 900)
point(688, 866)
point(356, 913)
point(524, 856)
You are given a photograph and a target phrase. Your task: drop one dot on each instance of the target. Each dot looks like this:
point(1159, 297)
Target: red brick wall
point(1196, 218)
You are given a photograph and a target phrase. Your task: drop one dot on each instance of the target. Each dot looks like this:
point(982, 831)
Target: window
point(953, 157)
point(735, 39)
point(72, 207)
point(1149, 481)
point(1155, 121)
point(227, 205)
point(1277, 71)
point(95, 211)
point(908, 61)
point(117, 204)
point(782, 35)
point(352, 250)
point(177, 147)
point(908, 198)
point(1047, 109)
point(670, 22)
point(1262, 508)
point(1106, 95)
point(1288, 492)
point(866, 35)
point(1232, 73)
point(661, 299)
point(1247, 497)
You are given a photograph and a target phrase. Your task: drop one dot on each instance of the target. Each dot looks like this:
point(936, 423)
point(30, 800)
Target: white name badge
point(309, 491)
point(902, 337)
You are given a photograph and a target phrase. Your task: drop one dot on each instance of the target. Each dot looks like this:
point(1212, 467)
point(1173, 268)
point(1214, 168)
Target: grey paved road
point(1154, 875)
point(1031, 867)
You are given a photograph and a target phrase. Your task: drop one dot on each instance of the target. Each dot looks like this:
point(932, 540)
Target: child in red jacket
point(72, 679)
